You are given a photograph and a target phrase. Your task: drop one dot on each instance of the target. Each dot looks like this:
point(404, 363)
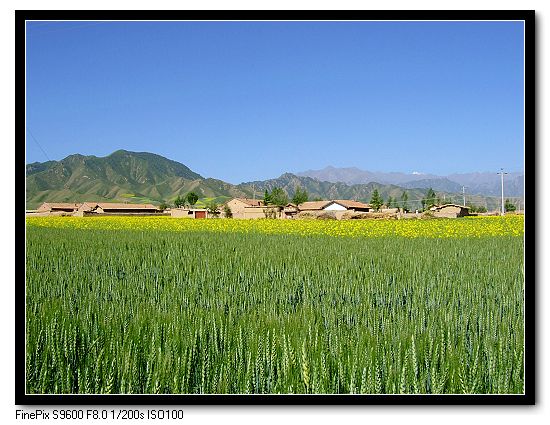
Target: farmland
point(159, 305)
point(447, 228)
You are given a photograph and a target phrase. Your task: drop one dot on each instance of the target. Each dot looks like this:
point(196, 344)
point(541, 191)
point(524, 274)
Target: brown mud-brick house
point(351, 206)
point(86, 207)
point(337, 207)
point(450, 211)
point(255, 208)
point(52, 207)
point(189, 213)
point(112, 208)
point(247, 208)
point(313, 205)
point(290, 211)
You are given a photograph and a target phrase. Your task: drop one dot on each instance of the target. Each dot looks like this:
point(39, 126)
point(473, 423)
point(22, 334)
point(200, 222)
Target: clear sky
point(248, 101)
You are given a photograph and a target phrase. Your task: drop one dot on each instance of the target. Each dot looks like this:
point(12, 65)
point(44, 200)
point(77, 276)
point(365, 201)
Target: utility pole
point(464, 196)
point(502, 188)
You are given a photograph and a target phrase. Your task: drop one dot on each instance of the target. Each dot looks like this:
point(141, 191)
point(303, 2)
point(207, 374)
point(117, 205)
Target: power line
point(36, 141)
point(33, 31)
point(452, 197)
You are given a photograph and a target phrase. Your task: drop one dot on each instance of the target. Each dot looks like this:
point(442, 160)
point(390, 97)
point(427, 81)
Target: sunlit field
point(159, 305)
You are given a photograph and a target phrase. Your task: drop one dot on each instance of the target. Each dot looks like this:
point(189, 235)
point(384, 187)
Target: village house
point(450, 211)
point(188, 213)
point(247, 208)
point(255, 208)
point(337, 207)
point(347, 205)
point(290, 210)
point(113, 208)
point(313, 205)
point(86, 207)
point(53, 207)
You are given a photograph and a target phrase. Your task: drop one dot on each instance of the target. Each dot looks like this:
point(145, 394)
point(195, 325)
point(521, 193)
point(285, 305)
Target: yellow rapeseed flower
point(436, 228)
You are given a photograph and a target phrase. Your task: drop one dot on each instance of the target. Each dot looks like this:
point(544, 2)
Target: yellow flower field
point(411, 228)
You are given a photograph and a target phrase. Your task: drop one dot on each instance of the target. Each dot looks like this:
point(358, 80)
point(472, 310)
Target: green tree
point(404, 199)
point(164, 205)
point(509, 206)
point(390, 202)
point(212, 209)
point(192, 198)
point(300, 196)
point(179, 201)
point(267, 198)
point(429, 200)
point(476, 209)
point(279, 197)
point(376, 200)
point(227, 211)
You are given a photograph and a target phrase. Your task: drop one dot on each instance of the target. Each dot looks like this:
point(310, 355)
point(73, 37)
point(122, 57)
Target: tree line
point(279, 198)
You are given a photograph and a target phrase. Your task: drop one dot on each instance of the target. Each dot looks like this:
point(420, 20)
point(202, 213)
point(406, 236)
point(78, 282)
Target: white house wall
point(335, 207)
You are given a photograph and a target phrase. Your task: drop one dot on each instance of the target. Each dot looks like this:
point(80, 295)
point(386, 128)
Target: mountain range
point(135, 177)
point(486, 184)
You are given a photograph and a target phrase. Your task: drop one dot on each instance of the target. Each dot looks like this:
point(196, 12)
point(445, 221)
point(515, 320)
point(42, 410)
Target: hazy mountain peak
point(487, 183)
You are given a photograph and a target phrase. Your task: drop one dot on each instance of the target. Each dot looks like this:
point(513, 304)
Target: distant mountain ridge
point(487, 184)
point(329, 190)
point(354, 175)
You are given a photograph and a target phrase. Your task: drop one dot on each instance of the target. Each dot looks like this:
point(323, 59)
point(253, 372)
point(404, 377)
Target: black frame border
point(528, 16)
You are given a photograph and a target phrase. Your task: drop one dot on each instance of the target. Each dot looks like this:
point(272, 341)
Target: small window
point(189, 212)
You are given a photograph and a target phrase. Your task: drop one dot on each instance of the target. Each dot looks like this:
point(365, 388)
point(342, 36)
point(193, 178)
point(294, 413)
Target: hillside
point(122, 176)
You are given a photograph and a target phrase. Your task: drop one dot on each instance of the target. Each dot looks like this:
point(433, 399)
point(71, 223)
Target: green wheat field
point(192, 312)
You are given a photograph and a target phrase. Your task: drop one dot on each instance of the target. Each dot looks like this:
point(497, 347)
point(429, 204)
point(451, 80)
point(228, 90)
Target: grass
point(143, 311)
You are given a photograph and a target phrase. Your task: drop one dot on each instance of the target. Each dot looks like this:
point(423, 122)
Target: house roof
point(438, 207)
point(319, 205)
point(122, 206)
point(313, 205)
point(351, 204)
point(88, 205)
point(62, 204)
point(251, 202)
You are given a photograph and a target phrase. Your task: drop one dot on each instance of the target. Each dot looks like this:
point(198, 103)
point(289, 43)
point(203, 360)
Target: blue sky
point(245, 101)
